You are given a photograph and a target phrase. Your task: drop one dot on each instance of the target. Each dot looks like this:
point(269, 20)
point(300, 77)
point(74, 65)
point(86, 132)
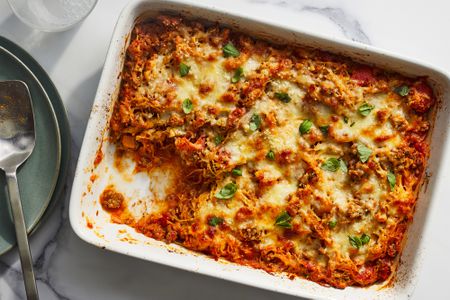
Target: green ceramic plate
point(42, 176)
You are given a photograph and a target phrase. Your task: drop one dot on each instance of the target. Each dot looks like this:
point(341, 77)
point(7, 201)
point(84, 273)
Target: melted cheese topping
point(303, 163)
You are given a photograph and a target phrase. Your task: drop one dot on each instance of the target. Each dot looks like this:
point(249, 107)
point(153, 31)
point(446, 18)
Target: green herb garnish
point(357, 242)
point(284, 220)
point(343, 165)
point(365, 109)
point(364, 239)
point(184, 69)
point(284, 97)
point(218, 139)
point(230, 50)
point(363, 152)
point(238, 73)
point(402, 90)
point(227, 191)
point(187, 106)
point(214, 221)
point(345, 120)
point(236, 172)
point(305, 127)
point(255, 122)
point(324, 129)
point(333, 164)
point(332, 224)
point(391, 179)
point(270, 155)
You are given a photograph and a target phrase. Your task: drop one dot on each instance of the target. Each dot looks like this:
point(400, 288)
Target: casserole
point(97, 228)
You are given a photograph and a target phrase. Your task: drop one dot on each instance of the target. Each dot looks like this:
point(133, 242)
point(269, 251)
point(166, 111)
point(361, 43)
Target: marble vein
point(350, 26)
point(347, 23)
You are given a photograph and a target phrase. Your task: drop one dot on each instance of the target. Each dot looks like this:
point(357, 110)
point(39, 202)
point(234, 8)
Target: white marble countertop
point(68, 268)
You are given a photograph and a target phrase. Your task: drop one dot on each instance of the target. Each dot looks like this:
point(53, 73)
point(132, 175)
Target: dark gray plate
point(42, 176)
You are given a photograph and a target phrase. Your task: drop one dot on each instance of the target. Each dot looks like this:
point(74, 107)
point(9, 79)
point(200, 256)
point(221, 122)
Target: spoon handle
point(21, 236)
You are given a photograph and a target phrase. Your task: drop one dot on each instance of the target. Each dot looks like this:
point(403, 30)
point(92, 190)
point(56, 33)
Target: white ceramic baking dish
point(93, 225)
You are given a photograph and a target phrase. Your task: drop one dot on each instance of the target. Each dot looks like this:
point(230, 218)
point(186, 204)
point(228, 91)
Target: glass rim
point(47, 29)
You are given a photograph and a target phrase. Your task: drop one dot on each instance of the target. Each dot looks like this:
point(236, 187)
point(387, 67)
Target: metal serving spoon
point(17, 139)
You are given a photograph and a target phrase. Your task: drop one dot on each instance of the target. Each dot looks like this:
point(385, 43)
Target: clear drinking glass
point(52, 15)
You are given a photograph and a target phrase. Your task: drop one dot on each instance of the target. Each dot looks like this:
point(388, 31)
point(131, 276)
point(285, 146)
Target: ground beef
point(111, 200)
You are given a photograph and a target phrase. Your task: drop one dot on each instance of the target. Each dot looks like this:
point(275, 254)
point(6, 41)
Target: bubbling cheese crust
point(287, 159)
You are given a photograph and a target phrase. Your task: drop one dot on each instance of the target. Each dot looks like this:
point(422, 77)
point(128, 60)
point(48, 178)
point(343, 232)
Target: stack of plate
point(43, 175)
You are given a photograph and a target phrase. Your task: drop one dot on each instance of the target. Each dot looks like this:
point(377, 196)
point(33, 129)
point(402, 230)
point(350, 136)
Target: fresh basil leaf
point(402, 90)
point(238, 73)
point(363, 152)
point(332, 164)
point(236, 172)
point(214, 221)
point(184, 69)
point(255, 122)
point(332, 224)
point(391, 179)
point(355, 241)
point(227, 191)
point(324, 129)
point(364, 239)
point(284, 220)
point(270, 155)
point(218, 139)
point(187, 106)
point(343, 165)
point(284, 97)
point(365, 109)
point(305, 127)
point(230, 50)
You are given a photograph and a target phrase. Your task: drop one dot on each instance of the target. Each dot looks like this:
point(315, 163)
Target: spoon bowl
point(17, 138)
